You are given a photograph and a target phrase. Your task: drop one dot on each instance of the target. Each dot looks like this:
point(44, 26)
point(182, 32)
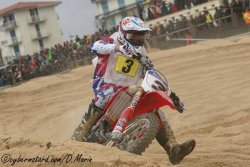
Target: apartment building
point(26, 28)
point(110, 12)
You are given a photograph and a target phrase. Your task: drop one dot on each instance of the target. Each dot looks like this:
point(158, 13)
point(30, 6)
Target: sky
point(77, 17)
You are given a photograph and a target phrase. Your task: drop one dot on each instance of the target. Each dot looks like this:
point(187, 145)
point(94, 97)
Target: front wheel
point(139, 133)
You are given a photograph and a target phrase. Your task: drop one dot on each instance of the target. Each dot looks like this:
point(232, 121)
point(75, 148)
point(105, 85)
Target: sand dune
point(212, 78)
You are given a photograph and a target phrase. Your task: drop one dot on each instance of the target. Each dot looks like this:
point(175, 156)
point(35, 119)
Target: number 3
point(129, 65)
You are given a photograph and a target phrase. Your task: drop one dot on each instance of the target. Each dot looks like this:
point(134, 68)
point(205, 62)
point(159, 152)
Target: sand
point(38, 117)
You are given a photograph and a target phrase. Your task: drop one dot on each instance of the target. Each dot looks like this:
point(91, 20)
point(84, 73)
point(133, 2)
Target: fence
point(220, 28)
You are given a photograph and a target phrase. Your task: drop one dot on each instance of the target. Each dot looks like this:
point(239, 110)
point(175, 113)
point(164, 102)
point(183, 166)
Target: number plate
point(127, 66)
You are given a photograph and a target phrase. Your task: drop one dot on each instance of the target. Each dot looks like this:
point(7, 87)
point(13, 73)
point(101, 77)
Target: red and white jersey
point(114, 67)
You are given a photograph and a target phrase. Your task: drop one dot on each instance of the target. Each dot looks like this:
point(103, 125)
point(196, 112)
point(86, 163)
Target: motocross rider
point(108, 79)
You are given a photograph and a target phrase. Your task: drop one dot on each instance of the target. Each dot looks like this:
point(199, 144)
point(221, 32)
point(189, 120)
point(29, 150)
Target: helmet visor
point(136, 39)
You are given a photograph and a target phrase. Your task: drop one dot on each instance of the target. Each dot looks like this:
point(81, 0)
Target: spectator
point(226, 13)
point(239, 11)
point(174, 8)
point(140, 11)
point(77, 39)
point(247, 18)
point(209, 19)
point(218, 16)
point(156, 10)
point(169, 6)
point(192, 28)
point(1, 78)
point(246, 4)
point(195, 2)
point(183, 22)
point(164, 10)
point(158, 30)
point(233, 6)
point(153, 40)
point(170, 28)
point(188, 4)
point(201, 20)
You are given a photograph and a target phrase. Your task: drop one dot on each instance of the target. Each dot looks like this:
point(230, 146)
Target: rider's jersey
point(114, 67)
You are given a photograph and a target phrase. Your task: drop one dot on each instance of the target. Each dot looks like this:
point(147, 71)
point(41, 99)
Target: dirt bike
point(134, 111)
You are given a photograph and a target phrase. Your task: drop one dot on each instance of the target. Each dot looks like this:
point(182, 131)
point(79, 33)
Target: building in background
point(110, 12)
point(26, 28)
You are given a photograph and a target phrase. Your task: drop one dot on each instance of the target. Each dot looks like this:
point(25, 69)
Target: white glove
point(146, 62)
point(127, 49)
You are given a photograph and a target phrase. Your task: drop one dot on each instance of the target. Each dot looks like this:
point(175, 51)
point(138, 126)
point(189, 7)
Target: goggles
point(136, 39)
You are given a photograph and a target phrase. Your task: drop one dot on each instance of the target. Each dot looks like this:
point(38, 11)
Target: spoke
point(130, 128)
point(110, 144)
point(135, 130)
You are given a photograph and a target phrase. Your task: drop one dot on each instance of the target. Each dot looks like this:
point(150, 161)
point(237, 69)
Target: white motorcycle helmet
point(133, 30)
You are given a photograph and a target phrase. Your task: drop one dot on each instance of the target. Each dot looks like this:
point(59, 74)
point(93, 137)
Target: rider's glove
point(177, 102)
point(146, 63)
point(144, 60)
point(126, 49)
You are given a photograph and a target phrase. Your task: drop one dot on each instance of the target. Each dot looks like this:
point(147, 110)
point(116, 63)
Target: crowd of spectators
point(228, 14)
point(53, 60)
point(77, 52)
point(159, 8)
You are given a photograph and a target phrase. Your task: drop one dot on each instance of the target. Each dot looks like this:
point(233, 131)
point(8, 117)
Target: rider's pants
point(104, 94)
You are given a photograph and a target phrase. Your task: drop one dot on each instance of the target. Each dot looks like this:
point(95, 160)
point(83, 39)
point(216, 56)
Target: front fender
point(152, 100)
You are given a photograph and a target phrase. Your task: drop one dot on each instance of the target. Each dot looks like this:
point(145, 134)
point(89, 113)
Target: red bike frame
point(148, 102)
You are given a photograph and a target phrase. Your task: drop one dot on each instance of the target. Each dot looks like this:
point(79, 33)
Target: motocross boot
point(176, 152)
point(89, 120)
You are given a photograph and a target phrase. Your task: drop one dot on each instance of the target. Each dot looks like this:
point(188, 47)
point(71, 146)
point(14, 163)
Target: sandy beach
point(211, 77)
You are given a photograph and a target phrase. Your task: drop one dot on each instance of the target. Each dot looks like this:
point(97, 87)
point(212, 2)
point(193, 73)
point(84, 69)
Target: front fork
point(126, 115)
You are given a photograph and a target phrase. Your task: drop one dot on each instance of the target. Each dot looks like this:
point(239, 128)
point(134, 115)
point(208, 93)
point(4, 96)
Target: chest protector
point(122, 70)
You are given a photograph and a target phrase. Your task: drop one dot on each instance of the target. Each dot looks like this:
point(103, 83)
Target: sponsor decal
point(134, 21)
point(135, 101)
point(125, 21)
